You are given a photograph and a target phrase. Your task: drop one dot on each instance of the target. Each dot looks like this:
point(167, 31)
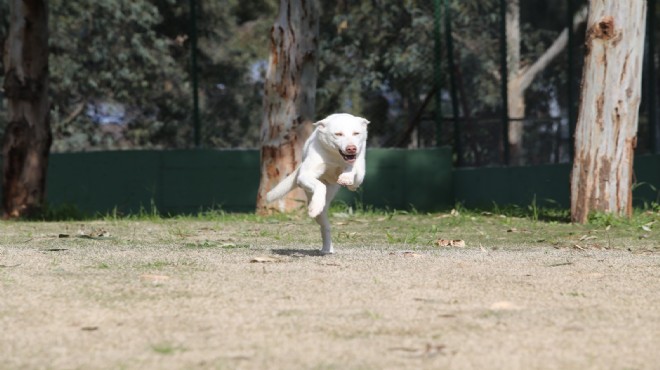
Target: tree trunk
point(289, 99)
point(27, 136)
point(605, 135)
point(520, 78)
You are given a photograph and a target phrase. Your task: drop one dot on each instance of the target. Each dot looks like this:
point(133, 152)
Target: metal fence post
point(193, 72)
point(437, 73)
point(652, 99)
point(505, 82)
point(570, 107)
point(454, 99)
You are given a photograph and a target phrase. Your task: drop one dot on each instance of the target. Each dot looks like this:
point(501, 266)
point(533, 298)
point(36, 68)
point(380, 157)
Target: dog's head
point(345, 133)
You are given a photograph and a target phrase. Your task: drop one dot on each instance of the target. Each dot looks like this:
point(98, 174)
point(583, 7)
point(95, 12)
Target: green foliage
point(135, 56)
point(108, 51)
point(376, 59)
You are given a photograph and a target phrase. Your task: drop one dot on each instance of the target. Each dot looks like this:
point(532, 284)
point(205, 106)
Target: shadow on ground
point(298, 252)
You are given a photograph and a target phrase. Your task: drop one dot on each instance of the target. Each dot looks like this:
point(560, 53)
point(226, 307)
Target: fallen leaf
point(458, 243)
point(450, 243)
point(504, 306)
point(55, 249)
point(89, 328)
point(429, 350)
point(411, 254)
point(151, 277)
point(94, 234)
point(560, 264)
point(264, 259)
point(405, 254)
point(63, 236)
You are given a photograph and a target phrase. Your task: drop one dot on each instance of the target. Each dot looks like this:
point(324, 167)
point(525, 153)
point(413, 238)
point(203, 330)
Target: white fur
point(333, 156)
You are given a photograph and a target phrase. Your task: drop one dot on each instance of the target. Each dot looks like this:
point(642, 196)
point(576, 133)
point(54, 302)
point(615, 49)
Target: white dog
point(333, 156)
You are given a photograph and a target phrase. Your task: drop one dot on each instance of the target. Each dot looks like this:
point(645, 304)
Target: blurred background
point(121, 74)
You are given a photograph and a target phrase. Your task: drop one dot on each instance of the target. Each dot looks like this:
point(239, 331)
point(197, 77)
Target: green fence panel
point(647, 179)
point(484, 187)
point(104, 181)
point(187, 181)
point(197, 180)
point(401, 179)
point(549, 184)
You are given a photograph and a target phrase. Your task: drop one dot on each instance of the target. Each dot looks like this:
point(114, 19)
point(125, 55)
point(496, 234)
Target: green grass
point(165, 348)
point(496, 226)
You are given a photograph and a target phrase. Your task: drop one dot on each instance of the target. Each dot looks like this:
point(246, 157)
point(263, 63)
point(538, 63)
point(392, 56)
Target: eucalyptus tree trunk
point(606, 131)
point(27, 136)
point(289, 98)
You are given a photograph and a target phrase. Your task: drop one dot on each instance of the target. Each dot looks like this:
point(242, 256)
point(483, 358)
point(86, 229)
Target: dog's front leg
point(347, 178)
point(352, 178)
point(316, 192)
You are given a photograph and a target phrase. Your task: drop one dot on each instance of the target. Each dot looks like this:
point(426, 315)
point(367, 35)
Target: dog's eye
point(339, 134)
point(356, 133)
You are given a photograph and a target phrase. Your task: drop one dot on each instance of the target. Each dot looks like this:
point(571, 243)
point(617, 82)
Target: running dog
point(333, 156)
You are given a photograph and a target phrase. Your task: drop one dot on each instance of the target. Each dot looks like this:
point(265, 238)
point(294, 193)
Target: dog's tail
point(285, 186)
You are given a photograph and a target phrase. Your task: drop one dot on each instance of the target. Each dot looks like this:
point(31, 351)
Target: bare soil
point(255, 294)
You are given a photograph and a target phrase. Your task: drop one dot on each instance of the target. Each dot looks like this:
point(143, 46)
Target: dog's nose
point(351, 149)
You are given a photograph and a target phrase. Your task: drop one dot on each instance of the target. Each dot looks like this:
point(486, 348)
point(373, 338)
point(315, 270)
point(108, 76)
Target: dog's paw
point(315, 208)
point(353, 187)
point(345, 179)
point(327, 251)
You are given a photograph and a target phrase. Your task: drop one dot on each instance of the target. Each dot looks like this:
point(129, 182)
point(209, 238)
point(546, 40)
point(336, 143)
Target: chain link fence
point(426, 73)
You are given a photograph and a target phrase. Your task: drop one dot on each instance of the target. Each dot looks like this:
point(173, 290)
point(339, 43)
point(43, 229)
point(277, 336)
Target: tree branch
point(75, 113)
point(528, 74)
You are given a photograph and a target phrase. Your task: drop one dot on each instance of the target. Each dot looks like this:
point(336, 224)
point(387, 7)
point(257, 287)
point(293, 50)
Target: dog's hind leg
point(324, 222)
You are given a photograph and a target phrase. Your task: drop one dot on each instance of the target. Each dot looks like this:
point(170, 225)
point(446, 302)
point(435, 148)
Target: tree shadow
point(298, 252)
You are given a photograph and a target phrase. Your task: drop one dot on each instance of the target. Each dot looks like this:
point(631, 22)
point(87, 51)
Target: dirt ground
point(255, 294)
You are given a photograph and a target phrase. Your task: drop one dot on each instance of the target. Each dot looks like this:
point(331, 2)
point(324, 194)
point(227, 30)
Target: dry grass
point(183, 293)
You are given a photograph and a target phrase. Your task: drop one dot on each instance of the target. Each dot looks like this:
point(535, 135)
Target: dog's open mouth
point(350, 158)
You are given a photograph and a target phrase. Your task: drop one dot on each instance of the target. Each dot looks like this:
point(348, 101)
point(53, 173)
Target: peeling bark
point(289, 99)
point(606, 130)
point(28, 136)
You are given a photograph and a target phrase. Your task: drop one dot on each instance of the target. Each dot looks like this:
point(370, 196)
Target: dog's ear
point(320, 125)
point(365, 121)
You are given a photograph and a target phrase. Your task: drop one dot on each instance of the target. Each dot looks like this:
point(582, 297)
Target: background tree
point(521, 75)
point(107, 53)
point(606, 132)
point(289, 97)
point(27, 137)
point(121, 75)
